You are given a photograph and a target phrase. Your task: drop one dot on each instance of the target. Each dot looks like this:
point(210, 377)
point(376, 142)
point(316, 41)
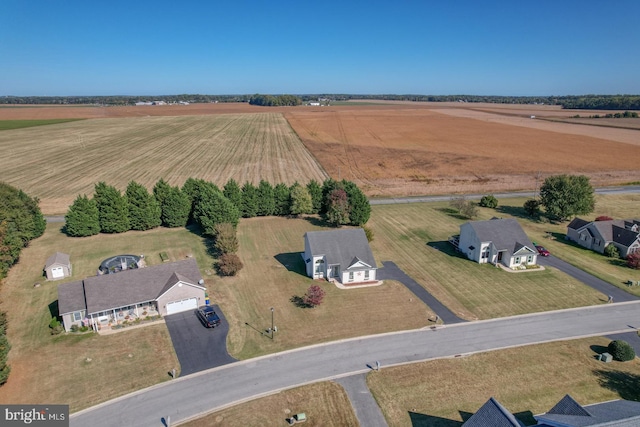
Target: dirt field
point(389, 148)
point(57, 162)
point(424, 151)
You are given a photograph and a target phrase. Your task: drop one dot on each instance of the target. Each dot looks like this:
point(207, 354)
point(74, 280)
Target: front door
point(335, 271)
point(499, 256)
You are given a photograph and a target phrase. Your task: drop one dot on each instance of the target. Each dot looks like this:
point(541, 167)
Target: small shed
point(57, 266)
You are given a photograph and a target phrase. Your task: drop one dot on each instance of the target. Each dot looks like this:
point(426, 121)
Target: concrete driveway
point(198, 348)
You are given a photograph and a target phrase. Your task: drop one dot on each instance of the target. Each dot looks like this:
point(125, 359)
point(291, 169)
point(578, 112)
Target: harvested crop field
point(404, 151)
point(58, 162)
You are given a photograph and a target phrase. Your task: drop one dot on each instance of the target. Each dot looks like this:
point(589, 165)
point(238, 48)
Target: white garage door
point(57, 272)
point(184, 305)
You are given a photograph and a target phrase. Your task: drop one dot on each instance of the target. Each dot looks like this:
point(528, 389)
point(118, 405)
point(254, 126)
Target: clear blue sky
point(140, 47)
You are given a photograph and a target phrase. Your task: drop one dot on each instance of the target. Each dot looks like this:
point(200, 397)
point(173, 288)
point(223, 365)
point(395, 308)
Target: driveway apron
point(364, 405)
point(197, 347)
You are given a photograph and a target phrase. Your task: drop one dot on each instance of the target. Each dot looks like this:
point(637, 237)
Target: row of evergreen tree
point(204, 203)
point(20, 222)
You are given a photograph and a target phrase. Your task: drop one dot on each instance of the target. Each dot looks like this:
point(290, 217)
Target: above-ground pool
point(119, 263)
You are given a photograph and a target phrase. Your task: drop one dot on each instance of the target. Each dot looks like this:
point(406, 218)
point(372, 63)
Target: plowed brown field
point(459, 149)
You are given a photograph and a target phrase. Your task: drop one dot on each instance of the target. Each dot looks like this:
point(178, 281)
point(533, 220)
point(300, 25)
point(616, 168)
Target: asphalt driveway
point(618, 294)
point(198, 348)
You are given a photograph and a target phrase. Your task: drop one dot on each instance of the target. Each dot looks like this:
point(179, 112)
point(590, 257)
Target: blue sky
point(140, 47)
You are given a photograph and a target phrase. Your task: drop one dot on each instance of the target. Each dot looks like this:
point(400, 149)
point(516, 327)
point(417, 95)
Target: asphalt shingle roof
point(492, 414)
point(341, 247)
point(505, 234)
point(57, 258)
point(624, 413)
point(71, 297)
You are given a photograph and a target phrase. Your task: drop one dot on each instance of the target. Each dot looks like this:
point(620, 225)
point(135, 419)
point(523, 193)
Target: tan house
point(57, 266)
point(135, 293)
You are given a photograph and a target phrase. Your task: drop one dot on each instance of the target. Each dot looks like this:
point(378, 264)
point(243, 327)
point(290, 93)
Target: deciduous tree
point(301, 202)
point(314, 296)
point(564, 196)
point(337, 208)
point(229, 265)
point(226, 240)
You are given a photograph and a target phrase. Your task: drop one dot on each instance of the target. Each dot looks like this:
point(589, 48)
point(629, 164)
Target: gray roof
point(127, 287)
point(71, 297)
point(492, 414)
point(505, 234)
point(568, 412)
point(57, 258)
point(344, 247)
point(577, 223)
point(624, 236)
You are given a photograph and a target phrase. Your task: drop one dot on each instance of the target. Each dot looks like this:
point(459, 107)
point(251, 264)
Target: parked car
point(542, 251)
point(208, 316)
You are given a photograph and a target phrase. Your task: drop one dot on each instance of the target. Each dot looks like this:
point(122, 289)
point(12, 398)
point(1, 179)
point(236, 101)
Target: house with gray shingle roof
point(343, 255)
point(134, 293)
point(497, 241)
point(57, 266)
point(566, 413)
point(624, 234)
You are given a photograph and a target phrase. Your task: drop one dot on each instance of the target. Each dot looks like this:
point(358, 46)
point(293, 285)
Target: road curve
point(194, 395)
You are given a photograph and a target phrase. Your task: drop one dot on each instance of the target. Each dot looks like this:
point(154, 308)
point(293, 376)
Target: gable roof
point(71, 297)
point(505, 234)
point(577, 223)
point(341, 247)
point(492, 414)
point(100, 293)
point(57, 258)
point(623, 235)
point(567, 412)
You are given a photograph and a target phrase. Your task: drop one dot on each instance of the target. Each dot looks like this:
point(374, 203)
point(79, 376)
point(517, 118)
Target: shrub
point(226, 241)
point(633, 261)
point(314, 296)
point(611, 251)
point(532, 207)
point(603, 218)
point(56, 326)
point(229, 265)
point(489, 201)
point(621, 351)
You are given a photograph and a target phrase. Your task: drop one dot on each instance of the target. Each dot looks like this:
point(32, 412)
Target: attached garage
point(182, 305)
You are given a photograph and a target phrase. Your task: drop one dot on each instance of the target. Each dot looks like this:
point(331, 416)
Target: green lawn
point(414, 236)
point(526, 380)
point(19, 124)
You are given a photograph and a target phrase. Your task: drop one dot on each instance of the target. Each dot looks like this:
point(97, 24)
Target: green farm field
point(56, 163)
point(19, 124)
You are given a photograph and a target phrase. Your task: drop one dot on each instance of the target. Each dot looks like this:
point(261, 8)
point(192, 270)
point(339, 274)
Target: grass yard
point(274, 273)
point(19, 124)
point(526, 380)
point(54, 369)
point(611, 270)
point(57, 163)
point(414, 236)
point(325, 404)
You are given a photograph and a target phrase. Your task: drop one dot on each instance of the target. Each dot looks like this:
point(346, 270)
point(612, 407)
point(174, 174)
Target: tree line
point(275, 101)
point(20, 222)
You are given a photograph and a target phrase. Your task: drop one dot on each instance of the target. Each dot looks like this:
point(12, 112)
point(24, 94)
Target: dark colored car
point(208, 316)
point(542, 251)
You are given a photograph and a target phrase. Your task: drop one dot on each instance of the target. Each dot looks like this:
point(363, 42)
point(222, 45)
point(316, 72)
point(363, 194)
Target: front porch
point(117, 316)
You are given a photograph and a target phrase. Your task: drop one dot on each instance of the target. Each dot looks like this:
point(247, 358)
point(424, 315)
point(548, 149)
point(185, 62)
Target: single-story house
point(624, 234)
point(566, 413)
point(57, 266)
point(497, 241)
point(112, 298)
point(342, 255)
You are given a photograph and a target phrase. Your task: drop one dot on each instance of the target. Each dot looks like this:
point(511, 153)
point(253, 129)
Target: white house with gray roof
point(497, 241)
point(343, 255)
point(624, 234)
point(112, 298)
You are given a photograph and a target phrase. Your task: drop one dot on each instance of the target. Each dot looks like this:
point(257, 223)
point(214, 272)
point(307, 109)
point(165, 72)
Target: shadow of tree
point(623, 383)
point(292, 261)
point(317, 221)
point(453, 213)
point(515, 211)
point(53, 309)
point(298, 301)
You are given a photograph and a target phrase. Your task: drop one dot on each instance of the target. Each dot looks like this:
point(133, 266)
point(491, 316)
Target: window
point(485, 252)
point(529, 259)
point(366, 275)
point(319, 266)
point(517, 261)
point(77, 316)
point(351, 276)
point(583, 237)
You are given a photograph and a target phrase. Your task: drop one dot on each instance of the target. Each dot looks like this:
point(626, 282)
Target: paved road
point(444, 198)
point(198, 348)
point(391, 271)
point(193, 395)
point(618, 294)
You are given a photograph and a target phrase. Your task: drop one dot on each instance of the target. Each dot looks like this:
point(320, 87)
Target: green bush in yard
point(489, 201)
point(621, 351)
